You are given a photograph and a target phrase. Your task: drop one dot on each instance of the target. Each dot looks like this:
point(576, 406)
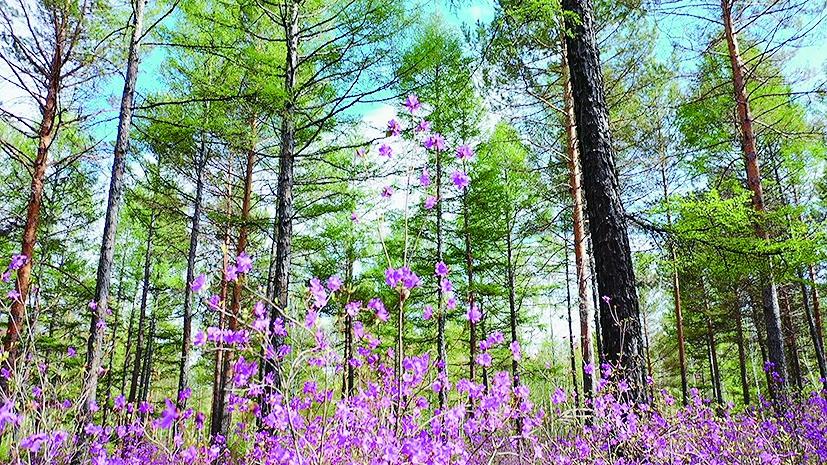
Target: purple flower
point(199, 339)
point(427, 312)
point(243, 263)
point(13, 295)
point(393, 130)
point(409, 279)
point(465, 152)
point(474, 314)
point(168, 416)
point(93, 305)
point(559, 396)
point(460, 180)
point(334, 283)
point(71, 352)
point(214, 302)
point(120, 402)
point(377, 306)
point(230, 273)
point(441, 269)
point(385, 150)
point(387, 192)
point(446, 285)
point(483, 359)
point(451, 303)
point(425, 178)
point(435, 142)
point(6, 276)
point(310, 319)
point(198, 283)
point(423, 126)
point(412, 103)
point(516, 353)
point(17, 261)
point(318, 292)
point(32, 443)
point(352, 308)
point(354, 217)
point(607, 299)
point(360, 152)
point(430, 202)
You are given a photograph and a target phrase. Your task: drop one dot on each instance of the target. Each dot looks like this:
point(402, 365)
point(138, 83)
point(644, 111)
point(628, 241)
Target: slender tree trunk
point(578, 225)
point(139, 343)
point(572, 352)
point(676, 283)
point(598, 339)
point(45, 136)
point(94, 345)
point(649, 370)
point(146, 374)
point(742, 358)
point(816, 303)
point(191, 255)
point(713, 360)
point(512, 313)
point(349, 371)
point(772, 313)
point(235, 305)
point(469, 270)
point(791, 340)
point(128, 348)
point(441, 344)
point(284, 211)
point(811, 324)
point(483, 335)
point(619, 311)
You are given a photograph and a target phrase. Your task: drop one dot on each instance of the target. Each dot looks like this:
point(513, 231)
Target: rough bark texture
point(94, 345)
point(811, 325)
point(791, 340)
point(45, 136)
point(742, 357)
point(193, 250)
point(284, 210)
point(772, 313)
point(619, 308)
point(579, 227)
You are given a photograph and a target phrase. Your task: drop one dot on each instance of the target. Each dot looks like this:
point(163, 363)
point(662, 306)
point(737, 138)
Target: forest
point(245, 232)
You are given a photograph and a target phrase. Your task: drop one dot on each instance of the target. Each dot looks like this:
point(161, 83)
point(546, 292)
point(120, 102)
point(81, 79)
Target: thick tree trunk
point(772, 313)
point(94, 345)
point(578, 225)
point(619, 310)
point(284, 210)
point(45, 136)
point(139, 338)
point(191, 255)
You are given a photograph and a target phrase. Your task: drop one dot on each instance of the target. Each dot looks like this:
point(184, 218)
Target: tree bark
point(791, 340)
point(441, 344)
point(512, 313)
point(772, 313)
point(45, 136)
point(619, 311)
point(578, 225)
point(191, 255)
point(811, 324)
point(572, 352)
point(742, 358)
point(139, 343)
point(94, 345)
point(469, 271)
point(284, 210)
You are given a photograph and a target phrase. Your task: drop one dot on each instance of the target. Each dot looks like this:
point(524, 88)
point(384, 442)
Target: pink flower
point(516, 353)
point(334, 283)
point(425, 178)
point(17, 261)
point(441, 269)
point(385, 150)
point(412, 103)
point(71, 352)
point(352, 308)
point(243, 263)
point(198, 283)
point(423, 126)
point(427, 312)
point(393, 129)
point(460, 180)
point(430, 202)
point(199, 339)
point(230, 273)
point(387, 192)
point(354, 217)
point(377, 306)
point(13, 295)
point(435, 142)
point(474, 314)
point(465, 152)
point(93, 305)
point(483, 359)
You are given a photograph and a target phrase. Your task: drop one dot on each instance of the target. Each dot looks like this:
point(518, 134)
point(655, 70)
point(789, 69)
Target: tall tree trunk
point(109, 372)
point(772, 313)
point(349, 370)
point(572, 352)
point(139, 338)
point(469, 271)
point(791, 340)
point(94, 345)
point(811, 324)
point(676, 283)
point(512, 312)
point(578, 225)
point(191, 255)
point(146, 373)
point(235, 305)
point(45, 136)
point(742, 358)
point(816, 303)
point(713, 360)
point(441, 344)
point(619, 311)
point(127, 348)
point(598, 338)
point(284, 211)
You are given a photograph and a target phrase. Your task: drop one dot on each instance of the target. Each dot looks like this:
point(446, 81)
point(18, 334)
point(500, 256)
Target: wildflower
point(441, 269)
point(412, 103)
point(310, 319)
point(409, 279)
point(199, 339)
point(377, 306)
point(427, 312)
point(446, 285)
point(318, 292)
point(387, 192)
point(71, 352)
point(214, 302)
point(93, 305)
point(393, 129)
point(32, 443)
point(17, 261)
point(483, 359)
point(607, 299)
point(230, 273)
point(559, 396)
point(120, 402)
point(460, 180)
point(516, 353)
point(435, 142)
point(168, 416)
point(430, 202)
point(465, 152)
point(474, 314)
point(385, 150)
point(198, 283)
point(423, 126)
point(451, 303)
point(354, 217)
point(13, 295)
point(185, 394)
point(425, 178)
point(334, 283)
point(352, 308)
point(243, 263)
point(6, 276)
